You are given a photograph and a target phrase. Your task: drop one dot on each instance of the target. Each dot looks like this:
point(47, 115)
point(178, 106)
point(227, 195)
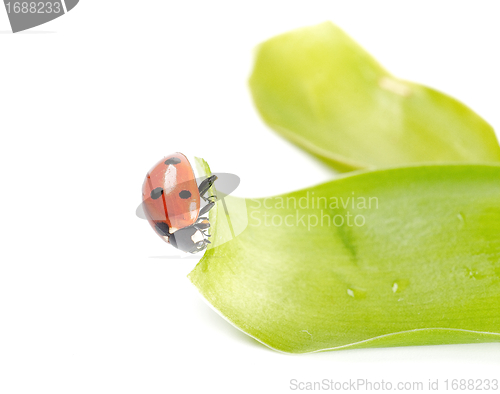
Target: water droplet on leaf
point(356, 293)
point(399, 285)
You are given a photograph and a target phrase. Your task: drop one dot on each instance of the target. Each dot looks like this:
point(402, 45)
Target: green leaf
point(415, 261)
point(321, 90)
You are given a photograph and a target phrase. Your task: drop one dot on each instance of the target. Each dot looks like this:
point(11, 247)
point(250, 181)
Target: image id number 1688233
point(41, 7)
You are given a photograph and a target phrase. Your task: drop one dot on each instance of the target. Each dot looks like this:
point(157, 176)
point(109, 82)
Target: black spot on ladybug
point(185, 194)
point(156, 193)
point(173, 161)
point(162, 229)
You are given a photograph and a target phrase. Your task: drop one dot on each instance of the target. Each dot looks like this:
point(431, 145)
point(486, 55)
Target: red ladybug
point(171, 202)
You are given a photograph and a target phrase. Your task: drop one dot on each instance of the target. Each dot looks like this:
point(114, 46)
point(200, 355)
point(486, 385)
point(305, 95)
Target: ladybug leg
point(210, 199)
point(205, 185)
point(199, 247)
point(203, 225)
point(206, 208)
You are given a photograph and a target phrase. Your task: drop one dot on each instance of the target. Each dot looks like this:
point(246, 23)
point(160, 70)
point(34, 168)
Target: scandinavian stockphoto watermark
point(312, 211)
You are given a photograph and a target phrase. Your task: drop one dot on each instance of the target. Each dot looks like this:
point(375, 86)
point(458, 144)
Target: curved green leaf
point(322, 91)
point(416, 260)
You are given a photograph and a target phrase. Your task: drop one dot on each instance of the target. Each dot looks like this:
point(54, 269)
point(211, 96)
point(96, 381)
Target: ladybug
point(171, 201)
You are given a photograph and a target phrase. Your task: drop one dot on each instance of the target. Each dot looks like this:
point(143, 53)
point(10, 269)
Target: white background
point(89, 300)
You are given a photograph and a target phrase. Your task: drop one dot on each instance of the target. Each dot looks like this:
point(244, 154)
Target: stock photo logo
point(24, 15)
point(311, 211)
